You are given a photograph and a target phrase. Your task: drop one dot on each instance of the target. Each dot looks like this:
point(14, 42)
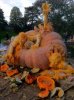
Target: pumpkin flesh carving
point(39, 57)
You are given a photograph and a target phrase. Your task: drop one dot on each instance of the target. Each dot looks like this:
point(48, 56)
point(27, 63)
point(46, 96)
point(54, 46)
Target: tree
point(3, 23)
point(15, 17)
point(69, 16)
point(31, 16)
point(62, 15)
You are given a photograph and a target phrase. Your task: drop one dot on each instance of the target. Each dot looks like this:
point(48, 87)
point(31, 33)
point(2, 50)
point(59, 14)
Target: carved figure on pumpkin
point(18, 40)
point(22, 41)
point(57, 62)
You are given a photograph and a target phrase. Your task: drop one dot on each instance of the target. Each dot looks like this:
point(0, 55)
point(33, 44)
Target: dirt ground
point(29, 92)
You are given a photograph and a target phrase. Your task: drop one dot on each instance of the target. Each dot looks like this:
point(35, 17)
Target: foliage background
point(62, 17)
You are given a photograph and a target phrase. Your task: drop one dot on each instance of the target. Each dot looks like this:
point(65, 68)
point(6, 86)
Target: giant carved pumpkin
point(38, 57)
point(45, 42)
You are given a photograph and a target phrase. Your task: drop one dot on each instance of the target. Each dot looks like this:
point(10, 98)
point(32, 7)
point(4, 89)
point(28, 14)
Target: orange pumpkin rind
point(11, 72)
point(43, 94)
point(4, 68)
point(45, 82)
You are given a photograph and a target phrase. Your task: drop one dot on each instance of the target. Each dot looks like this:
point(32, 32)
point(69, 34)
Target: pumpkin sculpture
point(43, 41)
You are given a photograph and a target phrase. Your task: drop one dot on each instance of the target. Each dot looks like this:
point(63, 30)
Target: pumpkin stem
point(46, 8)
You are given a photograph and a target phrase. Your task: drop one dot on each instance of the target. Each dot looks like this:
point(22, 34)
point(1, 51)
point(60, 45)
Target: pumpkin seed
point(25, 73)
point(35, 70)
